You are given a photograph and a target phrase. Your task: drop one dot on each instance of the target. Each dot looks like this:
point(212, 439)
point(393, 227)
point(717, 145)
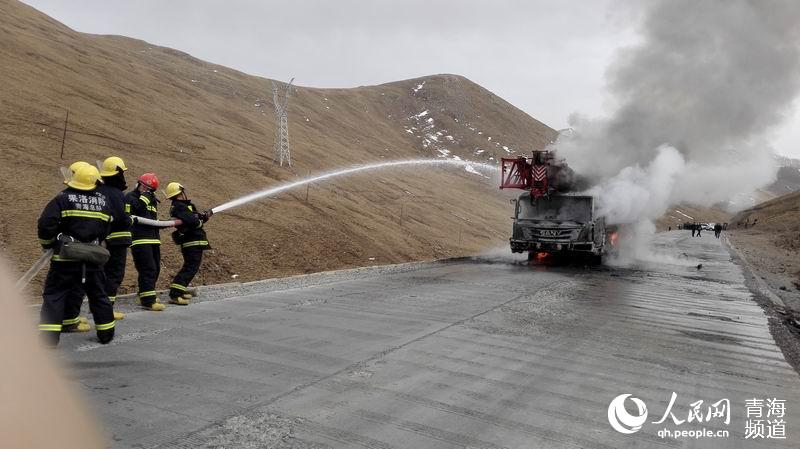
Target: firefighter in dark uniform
point(118, 241)
point(78, 214)
point(73, 322)
point(191, 237)
point(145, 244)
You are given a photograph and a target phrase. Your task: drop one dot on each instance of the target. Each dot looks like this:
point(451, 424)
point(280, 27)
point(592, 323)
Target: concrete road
point(481, 354)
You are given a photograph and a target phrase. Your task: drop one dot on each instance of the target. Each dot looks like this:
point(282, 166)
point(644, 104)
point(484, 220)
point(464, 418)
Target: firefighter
point(112, 186)
point(145, 243)
point(118, 241)
point(73, 322)
point(79, 216)
point(191, 237)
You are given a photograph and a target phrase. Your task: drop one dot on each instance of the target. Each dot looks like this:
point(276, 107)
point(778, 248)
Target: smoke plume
point(694, 100)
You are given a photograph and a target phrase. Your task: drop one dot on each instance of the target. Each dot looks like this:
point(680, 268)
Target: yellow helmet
point(174, 189)
point(69, 172)
point(111, 165)
point(85, 178)
point(76, 165)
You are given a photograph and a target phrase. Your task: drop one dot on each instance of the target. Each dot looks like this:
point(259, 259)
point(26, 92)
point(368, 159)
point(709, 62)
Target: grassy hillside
point(212, 128)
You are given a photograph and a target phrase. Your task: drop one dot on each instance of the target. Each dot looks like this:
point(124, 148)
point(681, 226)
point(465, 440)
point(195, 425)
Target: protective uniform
point(119, 239)
point(73, 322)
point(191, 237)
point(117, 243)
point(145, 245)
point(82, 214)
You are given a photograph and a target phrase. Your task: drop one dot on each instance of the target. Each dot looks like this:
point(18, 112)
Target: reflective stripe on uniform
point(152, 209)
point(178, 287)
point(112, 298)
point(146, 242)
point(57, 258)
point(118, 235)
point(72, 321)
point(144, 200)
point(104, 327)
point(127, 209)
point(50, 327)
point(46, 242)
point(146, 294)
point(85, 214)
point(195, 243)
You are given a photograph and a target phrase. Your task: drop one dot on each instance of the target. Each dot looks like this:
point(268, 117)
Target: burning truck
point(548, 219)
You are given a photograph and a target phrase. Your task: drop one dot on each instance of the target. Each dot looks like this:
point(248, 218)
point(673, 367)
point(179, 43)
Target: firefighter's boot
point(181, 301)
point(155, 307)
point(82, 326)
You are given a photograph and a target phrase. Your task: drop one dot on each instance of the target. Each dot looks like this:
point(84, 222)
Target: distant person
point(145, 241)
point(73, 224)
point(717, 230)
point(699, 229)
point(693, 227)
point(191, 237)
point(669, 228)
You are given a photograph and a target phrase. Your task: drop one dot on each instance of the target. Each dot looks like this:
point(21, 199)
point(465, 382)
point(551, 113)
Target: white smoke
point(694, 101)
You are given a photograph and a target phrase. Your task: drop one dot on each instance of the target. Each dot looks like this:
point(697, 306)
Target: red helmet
point(149, 180)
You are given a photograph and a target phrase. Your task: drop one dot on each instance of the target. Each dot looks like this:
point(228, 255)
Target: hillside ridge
point(212, 129)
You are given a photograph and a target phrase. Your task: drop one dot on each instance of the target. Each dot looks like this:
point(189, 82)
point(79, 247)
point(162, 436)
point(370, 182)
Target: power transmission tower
point(282, 152)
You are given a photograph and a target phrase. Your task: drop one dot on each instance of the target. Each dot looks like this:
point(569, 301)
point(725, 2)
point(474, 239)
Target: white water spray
point(468, 165)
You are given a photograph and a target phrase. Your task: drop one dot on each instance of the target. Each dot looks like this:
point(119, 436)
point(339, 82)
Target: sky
point(549, 58)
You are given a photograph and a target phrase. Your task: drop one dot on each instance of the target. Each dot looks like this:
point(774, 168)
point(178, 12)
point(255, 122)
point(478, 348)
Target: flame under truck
point(546, 221)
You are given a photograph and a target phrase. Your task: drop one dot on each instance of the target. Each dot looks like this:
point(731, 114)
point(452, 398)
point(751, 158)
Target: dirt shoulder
point(778, 265)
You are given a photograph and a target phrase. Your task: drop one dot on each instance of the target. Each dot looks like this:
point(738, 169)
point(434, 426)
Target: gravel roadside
point(782, 310)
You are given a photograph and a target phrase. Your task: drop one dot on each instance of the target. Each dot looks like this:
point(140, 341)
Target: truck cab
point(563, 225)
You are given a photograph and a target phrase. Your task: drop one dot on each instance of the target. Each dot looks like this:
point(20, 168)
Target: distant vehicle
point(707, 226)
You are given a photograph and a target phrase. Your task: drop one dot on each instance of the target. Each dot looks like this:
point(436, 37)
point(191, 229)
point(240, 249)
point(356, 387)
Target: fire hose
point(42, 261)
point(34, 270)
point(155, 223)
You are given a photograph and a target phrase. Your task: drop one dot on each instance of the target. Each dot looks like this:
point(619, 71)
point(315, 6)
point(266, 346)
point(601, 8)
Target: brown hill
point(212, 129)
point(779, 217)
